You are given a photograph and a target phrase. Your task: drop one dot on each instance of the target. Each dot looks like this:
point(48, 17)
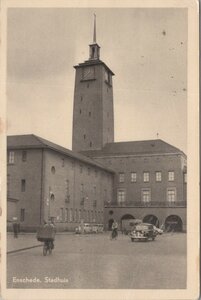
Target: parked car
point(143, 232)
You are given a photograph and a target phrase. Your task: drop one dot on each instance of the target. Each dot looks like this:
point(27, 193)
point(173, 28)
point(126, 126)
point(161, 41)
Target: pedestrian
point(114, 230)
point(15, 227)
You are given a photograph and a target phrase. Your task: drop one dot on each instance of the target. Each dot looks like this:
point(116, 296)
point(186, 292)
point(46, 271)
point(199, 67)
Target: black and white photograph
point(100, 111)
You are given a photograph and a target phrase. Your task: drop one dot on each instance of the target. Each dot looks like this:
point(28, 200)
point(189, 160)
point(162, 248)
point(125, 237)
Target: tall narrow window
point(71, 215)
point(66, 214)
point(22, 215)
point(62, 214)
point(80, 168)
point(146, 195)
point(121, 177)
point(24, 155)
point(62, 162)
point(11, 157)
point(23, 185)
point(171, 176)
point(121, 196)
point(133, 177)
point(146, 176)
point(171, 195)
point(158, 176)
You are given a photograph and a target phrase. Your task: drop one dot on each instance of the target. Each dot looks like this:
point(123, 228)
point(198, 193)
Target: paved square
point(94, 261)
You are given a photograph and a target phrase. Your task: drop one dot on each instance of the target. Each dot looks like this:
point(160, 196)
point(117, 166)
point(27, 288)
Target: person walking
point(114, 230)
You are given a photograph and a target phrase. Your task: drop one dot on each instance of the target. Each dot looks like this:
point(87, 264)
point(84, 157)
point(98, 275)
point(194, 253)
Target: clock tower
point(93, 116)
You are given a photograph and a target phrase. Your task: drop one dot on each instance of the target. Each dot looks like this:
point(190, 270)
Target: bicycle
point(48, 247)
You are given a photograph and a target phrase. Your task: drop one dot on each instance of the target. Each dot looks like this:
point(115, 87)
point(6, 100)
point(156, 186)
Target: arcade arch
point(173, 223)
point(151, 219)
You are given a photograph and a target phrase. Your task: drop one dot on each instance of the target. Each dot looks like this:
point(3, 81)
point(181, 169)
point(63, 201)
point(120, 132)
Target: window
point(90, 144)
point(121, 177)
point(23, 185)
point(71, 215)
point(89, 114)
point(62, 214)
point(52, 196)
point(53, 170)
point(88, 171)
point(84, 136)
point(146, 195)
point(94, 190)
point(121, 196)
point(62, 162)
point(171, 195)
point(158, 176)
point(82, 187)
point(75, 215)
point(79, 215)
point(133, 177)
point(171, 176)
point(146, 176)
point(22, 215)
point(11, 157)
point(66, 214)
point(24, 155)
point(80, 111)
point(185, 177)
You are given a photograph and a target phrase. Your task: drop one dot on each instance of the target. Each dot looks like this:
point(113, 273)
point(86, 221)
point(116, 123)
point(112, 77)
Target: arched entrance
point(110, 224)
point(173, 223)
point(126, 223)
point(151, 219)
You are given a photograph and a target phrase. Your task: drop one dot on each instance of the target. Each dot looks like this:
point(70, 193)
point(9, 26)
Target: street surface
point(94, 261)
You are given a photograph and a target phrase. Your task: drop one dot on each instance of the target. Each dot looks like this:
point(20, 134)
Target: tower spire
point(94, 36)
point(94, 48)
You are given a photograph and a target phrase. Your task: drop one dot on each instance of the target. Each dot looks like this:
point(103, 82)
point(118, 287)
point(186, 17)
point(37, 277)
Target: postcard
point(99, 149)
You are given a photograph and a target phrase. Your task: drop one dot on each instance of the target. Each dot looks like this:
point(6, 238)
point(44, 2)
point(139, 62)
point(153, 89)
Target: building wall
point(12, 210)
point(83, 199)
point(152, 164)
point(30, 199)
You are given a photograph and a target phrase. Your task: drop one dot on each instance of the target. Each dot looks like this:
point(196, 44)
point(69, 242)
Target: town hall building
point(99, 180)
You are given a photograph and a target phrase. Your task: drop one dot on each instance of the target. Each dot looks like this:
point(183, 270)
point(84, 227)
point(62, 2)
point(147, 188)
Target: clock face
point(88, 73)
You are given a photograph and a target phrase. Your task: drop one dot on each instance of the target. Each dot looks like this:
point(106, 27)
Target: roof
point(134, 148)
point(31, 141)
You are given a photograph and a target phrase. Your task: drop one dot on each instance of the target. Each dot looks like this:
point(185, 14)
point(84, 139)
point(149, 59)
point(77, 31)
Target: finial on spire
point(94, 36)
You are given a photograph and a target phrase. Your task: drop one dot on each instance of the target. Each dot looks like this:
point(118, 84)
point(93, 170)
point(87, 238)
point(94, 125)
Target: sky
point(146, 48)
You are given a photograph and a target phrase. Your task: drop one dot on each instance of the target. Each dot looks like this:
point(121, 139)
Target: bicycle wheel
point(44, 250)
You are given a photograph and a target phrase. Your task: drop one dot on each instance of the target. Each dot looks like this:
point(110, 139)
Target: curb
point(22, 249)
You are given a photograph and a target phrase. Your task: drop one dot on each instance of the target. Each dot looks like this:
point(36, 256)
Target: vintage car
point(143, 232)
